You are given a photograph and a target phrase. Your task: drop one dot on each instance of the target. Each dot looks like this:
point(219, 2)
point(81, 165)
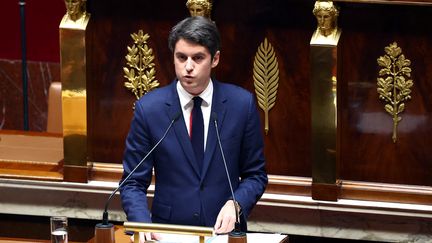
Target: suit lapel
point(182, 135)
point(218, 107)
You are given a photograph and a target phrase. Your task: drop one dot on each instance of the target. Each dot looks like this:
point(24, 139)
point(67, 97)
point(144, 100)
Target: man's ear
point(215, 60)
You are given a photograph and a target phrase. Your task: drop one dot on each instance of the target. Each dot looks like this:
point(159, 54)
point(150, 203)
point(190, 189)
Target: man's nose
point(189, 65)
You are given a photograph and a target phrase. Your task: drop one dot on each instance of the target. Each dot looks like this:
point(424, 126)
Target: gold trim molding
point(141, 72)
point(394, 82)
point(266, 78)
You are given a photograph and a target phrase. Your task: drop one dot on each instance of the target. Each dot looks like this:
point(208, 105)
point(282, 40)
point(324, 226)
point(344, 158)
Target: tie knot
point(197, 101)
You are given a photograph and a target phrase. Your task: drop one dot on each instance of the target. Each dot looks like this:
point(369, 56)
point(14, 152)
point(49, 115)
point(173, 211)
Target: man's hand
point(226, 218)
point(146, 237)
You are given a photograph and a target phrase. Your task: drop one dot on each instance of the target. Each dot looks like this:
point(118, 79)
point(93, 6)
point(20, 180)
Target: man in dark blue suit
point(191, 184)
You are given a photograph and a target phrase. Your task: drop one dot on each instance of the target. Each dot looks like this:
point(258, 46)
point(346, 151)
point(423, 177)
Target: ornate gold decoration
point(73, 49)
point(266, 78)
point(76, 16)
point(141, 75)
point(326, 14)
point(327, 32)
point(394, 82)
point(200, 8)
point(76, 9)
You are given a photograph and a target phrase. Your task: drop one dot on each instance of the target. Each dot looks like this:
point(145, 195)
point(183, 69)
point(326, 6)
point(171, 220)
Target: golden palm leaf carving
point(394, 82)
point(266, 78)
point(141, 71)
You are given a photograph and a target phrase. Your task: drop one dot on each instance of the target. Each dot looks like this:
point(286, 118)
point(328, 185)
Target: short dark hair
point(197, 29)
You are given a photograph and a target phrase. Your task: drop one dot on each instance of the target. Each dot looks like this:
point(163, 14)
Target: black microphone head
point(176, 116)
point(105, 218)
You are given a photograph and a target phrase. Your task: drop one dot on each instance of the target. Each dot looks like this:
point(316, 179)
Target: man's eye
point(198, 58)
point(181, 58)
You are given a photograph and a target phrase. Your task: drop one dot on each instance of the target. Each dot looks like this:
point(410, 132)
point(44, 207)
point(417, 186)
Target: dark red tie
point(197, 131)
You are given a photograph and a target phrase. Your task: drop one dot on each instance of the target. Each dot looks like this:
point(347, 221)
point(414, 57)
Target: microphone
point(236, 235)
point(104, 231)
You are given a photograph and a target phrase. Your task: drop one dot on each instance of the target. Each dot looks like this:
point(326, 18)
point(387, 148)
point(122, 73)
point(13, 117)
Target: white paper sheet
point(251, 238)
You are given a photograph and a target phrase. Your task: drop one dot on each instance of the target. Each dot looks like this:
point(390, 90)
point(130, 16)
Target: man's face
point(193, 64)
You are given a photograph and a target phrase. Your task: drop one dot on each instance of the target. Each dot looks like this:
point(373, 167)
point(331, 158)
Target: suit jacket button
point(196, 215)
point(202, 187)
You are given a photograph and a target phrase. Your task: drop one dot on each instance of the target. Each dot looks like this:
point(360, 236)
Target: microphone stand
point(104, 232)
point(237, 235)
point(24, 65)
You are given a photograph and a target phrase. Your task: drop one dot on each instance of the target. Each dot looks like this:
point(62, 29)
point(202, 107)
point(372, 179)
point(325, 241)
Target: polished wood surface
point(110, 103)
point(367, 151)
point(31, 155)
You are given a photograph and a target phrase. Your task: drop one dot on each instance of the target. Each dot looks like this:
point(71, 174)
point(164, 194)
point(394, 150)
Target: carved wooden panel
point(367, 150)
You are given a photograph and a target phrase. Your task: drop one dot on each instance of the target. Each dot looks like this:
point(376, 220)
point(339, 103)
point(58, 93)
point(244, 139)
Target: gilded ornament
point(394, 82)
point(199, 8)
point(326, 14)
point(76, 9)
point(141, 71)
point(327, 32)
point(266, 78)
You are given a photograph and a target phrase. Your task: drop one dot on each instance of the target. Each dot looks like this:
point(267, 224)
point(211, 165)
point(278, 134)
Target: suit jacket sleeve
point(253, 176)
point(134, 191)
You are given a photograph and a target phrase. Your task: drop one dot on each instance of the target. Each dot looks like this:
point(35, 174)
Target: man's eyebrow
point(200, 53)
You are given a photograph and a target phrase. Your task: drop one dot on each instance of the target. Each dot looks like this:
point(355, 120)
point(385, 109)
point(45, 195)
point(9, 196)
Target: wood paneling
point(386, 192)
point(40, 76)
point(372, 167)
point(367, 150)
point(110, 104)
point(243, 26)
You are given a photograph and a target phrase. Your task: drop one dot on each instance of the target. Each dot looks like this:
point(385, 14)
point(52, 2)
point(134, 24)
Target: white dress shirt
point(187, 104)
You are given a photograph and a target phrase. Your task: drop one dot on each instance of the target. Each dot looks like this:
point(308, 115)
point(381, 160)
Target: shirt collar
point(186, 98)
